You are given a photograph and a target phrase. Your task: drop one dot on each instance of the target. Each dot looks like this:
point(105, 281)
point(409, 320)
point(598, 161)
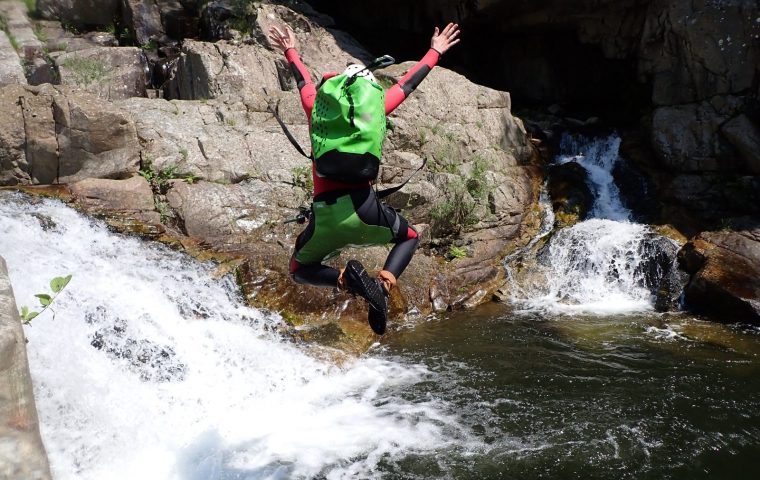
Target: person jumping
point(347, 122)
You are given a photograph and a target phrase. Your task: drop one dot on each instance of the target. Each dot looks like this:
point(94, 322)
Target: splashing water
point(598, 157)
point(153, 368)
point(597, 266)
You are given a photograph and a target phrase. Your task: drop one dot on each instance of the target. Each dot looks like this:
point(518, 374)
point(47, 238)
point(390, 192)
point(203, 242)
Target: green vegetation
point(456, 252)
point(31, 5)
point(163, 209)
point(302, 178)
point(445, 158)
point(56, 285)
point(151, 44)
point(86, 70)
point(455, 210)
point(230, 121)
point(40, 33)
point(158, 179)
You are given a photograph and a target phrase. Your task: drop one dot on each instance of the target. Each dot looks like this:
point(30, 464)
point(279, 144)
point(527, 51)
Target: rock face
point(725, 269)
point(112, 73)
point(22, 454)
point(51, 134)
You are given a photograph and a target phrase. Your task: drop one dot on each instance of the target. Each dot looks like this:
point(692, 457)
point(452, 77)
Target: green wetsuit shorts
point(354, 218)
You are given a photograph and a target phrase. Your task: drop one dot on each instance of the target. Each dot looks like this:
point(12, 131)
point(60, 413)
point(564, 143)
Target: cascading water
point(154, 369)
point(601, 265)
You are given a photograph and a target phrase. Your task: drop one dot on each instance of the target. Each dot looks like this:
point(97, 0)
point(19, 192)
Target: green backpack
point(348, 129)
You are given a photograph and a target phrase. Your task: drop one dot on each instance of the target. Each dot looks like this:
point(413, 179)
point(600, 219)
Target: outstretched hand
point(446, 39)
point(282, 38)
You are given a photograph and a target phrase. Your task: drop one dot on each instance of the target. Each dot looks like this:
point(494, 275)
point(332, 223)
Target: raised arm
point(286, 41)
point(439, 44)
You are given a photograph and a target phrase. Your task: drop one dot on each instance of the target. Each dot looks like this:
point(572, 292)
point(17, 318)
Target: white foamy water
point(596, 266)
point(189, 383)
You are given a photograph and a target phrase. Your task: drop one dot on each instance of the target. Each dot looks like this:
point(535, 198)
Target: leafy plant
point(478, 185)
point(158, 179)
point(163, 209)
point(302, 178)
point(57, 285)
point(150, 45)
point(455, 210)
point(456, 252)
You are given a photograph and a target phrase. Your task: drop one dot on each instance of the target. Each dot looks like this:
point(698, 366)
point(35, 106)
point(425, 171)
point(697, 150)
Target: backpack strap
point(285, 130)
point(389, 191)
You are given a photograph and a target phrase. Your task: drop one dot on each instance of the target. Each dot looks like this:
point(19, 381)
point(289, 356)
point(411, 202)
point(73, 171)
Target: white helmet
point(359, 71)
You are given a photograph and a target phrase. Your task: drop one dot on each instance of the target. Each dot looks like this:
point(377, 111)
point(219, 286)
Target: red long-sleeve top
point(394, 96)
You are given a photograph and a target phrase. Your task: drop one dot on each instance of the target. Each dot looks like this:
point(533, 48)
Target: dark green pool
point(644, 397)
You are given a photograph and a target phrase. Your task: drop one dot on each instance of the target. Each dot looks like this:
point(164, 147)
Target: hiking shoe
point(359, 283)
point(378, 318)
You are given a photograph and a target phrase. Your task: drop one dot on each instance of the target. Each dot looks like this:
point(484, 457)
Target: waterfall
point(154, 368)
point(605, 264)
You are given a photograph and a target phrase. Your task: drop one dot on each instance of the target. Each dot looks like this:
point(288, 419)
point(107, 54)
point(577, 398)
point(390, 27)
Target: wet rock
point(725, 275)
point(659, 273)
point(637, 191)
point(571, 195)
point(132, 197)
point(658, 254)
point(22, 454)
point(439, 294)
point(152, 361)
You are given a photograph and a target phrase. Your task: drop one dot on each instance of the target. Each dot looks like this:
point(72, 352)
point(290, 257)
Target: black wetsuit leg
point(317, 275)
point(374, 212)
